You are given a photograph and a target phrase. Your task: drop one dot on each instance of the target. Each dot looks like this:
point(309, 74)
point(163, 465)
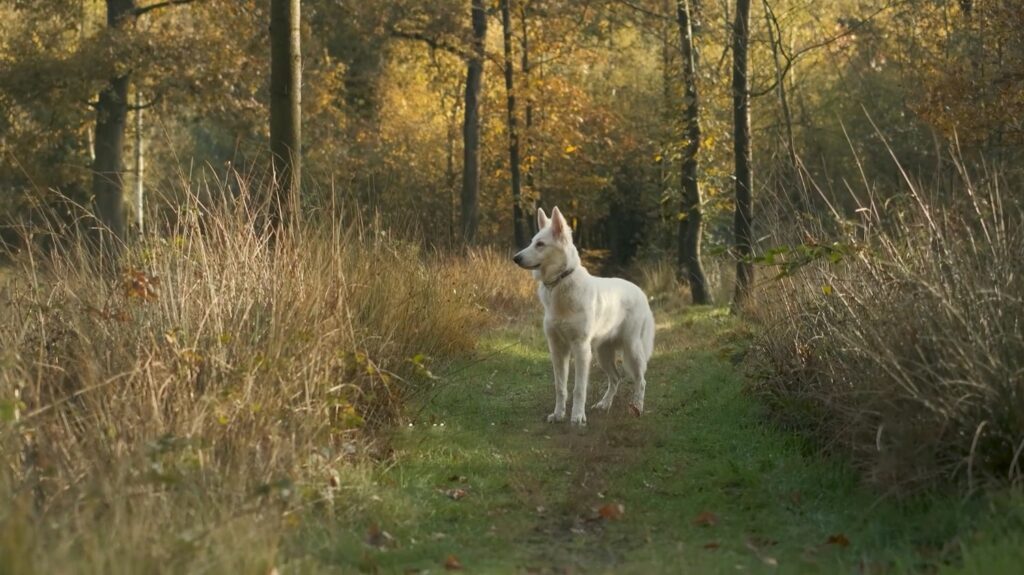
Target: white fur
point(586, 316)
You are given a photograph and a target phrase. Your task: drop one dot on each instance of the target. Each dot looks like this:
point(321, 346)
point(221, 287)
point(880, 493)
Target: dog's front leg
point(581, 354)
point(560, 354)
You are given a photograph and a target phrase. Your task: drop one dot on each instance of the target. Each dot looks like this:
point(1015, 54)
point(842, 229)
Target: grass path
point(705, 485)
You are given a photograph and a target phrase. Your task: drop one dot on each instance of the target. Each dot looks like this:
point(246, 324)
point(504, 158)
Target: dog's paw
point(635, 409)
point(579, 419)
point(603, 405)
point(556, 417)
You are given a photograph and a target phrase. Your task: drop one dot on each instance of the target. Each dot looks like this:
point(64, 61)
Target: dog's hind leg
point(606, 359)
point(560, 355)
point(634, 362)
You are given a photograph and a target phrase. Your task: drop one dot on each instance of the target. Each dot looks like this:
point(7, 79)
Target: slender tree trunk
point(140, 166)
point(743, 220)
point(528, 115)
point(471, 126)
point(513, 130)
point(797, 190)
point(285, 109)
point(692, 225)
point(108, 158)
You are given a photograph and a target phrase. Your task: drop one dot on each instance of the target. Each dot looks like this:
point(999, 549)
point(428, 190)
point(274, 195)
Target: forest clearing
point(260, 312)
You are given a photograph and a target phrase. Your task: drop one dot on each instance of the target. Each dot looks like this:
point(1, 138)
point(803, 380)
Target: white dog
point(585, 315)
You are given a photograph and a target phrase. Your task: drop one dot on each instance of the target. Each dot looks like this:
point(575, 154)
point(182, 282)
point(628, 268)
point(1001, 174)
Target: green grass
point(533, 490)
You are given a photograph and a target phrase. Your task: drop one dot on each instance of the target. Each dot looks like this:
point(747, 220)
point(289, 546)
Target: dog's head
point(551, 248)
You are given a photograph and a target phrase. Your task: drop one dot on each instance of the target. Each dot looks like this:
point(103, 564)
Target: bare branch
point(645, 11)
point(435, 43)
point(792, 58)
point(144, 9)
point(156, 100)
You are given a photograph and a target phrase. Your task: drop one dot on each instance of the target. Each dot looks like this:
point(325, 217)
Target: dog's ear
point(559, 227)
point(542, 219)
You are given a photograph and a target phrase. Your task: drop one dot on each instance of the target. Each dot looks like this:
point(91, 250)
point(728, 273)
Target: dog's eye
point(540, 244)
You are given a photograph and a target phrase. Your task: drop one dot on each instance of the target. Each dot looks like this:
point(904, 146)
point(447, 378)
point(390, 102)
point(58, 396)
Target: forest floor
point(701, 483)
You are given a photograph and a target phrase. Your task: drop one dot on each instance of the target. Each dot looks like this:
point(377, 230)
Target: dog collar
point(557, 280)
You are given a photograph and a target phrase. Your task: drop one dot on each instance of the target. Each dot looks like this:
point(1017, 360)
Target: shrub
point(902, 344)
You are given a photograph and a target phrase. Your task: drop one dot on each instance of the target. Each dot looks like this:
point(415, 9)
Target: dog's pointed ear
point(542, 219)
point(559, 226)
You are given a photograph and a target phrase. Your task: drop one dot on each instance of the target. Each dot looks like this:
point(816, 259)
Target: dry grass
point(908, 352)
point(660, 281)
point(178, 414)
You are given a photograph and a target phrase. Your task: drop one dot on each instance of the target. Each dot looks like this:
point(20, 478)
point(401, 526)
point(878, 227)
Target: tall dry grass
point(176, 414)
point(897, 337)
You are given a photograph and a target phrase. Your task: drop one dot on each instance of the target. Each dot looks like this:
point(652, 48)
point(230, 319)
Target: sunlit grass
point(185, 410)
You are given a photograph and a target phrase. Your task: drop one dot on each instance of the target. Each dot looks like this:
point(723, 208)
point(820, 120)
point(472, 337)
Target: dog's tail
point(647, 336)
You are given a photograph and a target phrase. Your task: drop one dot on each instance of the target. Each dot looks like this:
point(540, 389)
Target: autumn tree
point(285, 107)
point(692, 223)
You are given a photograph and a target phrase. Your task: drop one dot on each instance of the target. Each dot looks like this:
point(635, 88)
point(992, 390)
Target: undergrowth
point(177, 412)
point(897, 337)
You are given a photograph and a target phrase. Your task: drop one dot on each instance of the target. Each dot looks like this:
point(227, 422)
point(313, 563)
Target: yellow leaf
point(570, 149)
point(826, 289)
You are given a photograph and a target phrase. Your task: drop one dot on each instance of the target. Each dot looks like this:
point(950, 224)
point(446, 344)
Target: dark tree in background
point(111, 120)
point(471, 126)
point(528, 109)
point(518, 225)
point(744, 241)
point(285, 108)
point(692, 224)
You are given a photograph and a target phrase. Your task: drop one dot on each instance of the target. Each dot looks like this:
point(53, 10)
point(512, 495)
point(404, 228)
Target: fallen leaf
point(757, 542)
point(712, 545)
point(612, 511)
point(456, 494)
point(706, 519)
point(452, 563)
point(838, 539)
point(377, 537)
point(770, 561)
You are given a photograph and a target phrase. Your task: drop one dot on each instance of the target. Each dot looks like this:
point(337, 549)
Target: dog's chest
point(564, 311)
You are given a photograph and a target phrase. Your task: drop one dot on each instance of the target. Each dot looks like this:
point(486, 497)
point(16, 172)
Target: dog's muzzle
point(518, 259)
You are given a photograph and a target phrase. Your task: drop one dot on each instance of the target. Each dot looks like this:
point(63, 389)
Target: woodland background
point(246, 243)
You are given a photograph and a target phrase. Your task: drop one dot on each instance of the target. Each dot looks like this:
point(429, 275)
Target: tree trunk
point(471, 126)
point(140, 166)
point(743, 220)
point(111, 122)
point(691, 226)
point(513, 130)
point(528, 115)
point(285, 109)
